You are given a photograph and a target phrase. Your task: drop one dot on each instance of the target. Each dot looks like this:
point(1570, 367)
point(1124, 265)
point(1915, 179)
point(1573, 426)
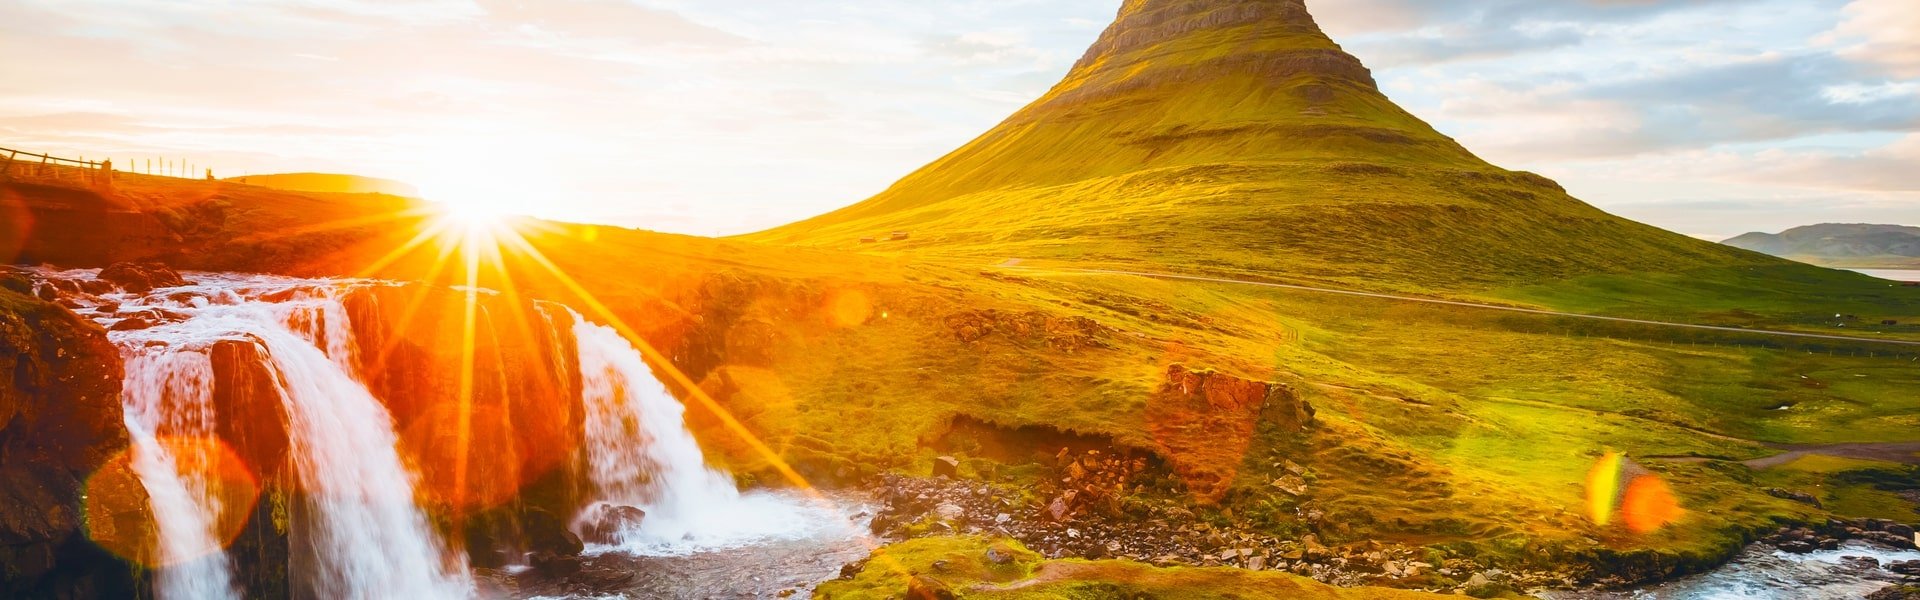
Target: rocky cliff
point(60, 422)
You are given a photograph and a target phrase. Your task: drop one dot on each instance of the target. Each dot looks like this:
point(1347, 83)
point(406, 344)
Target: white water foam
point(368, 537)
point(641, 454)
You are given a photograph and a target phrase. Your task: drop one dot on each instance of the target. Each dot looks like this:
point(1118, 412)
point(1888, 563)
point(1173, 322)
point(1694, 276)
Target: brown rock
point(141, 278)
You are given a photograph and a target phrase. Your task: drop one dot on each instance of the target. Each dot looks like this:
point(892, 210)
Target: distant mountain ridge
point(1840, 244)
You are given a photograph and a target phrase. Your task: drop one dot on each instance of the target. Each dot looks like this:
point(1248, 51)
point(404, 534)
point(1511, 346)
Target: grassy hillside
point(1234, 138)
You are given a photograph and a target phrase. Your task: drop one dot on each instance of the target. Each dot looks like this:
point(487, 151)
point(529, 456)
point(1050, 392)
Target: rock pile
point(1828, 536)
point(1092, 507)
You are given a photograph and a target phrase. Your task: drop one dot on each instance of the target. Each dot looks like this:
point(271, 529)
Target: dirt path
point(1906, 453)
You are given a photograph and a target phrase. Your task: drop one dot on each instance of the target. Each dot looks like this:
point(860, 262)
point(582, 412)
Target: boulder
point(1909, 568)
point(141, 278)
point(547, 533)
point(603, 522)
point(946, 466)
point(926, 588)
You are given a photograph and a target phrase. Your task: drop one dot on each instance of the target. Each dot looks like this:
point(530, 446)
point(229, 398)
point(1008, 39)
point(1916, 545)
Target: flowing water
point(641, 454)
point(171, 393)
point(1762, 572)
point(367, 536)
point(362, 528)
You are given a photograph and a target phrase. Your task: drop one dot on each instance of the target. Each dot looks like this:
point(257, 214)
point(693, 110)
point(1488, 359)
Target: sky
point(1706, 117)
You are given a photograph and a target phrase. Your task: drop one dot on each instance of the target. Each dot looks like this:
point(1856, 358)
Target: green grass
point(966, 570)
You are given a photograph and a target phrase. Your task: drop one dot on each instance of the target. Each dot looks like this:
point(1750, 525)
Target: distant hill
point(1235, 137)
point(1840, 245)
point(329, 183)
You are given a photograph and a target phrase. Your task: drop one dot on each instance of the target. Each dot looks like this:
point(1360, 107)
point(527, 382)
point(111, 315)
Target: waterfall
point(170, 393)
point(641, 454)
point(368, 537)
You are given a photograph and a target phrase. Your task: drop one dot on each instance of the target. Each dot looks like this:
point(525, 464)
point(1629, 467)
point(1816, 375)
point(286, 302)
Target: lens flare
point(1642, 500)
point(119, 519)
point(848, 308)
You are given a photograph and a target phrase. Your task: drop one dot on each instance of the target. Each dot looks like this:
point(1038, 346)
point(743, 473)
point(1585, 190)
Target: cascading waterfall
point(170, 393)
point(368, 537)
point(360, 530)
point(641, 454)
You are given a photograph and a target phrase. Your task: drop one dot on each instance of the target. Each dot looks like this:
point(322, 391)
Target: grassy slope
point(1028, 577)
point(1164, 157)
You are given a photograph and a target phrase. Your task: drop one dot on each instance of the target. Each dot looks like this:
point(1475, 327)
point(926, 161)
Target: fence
point(20, 164)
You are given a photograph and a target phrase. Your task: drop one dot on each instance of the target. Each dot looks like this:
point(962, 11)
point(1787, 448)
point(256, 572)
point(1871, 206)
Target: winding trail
point(1015, 265)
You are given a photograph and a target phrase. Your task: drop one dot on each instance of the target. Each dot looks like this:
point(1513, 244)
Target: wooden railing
point(20, 164)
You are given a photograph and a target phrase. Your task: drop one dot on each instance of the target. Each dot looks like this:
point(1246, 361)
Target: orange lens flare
point(1649, 505)
point(1616, 487)
point(118, 516)
point(848, 308)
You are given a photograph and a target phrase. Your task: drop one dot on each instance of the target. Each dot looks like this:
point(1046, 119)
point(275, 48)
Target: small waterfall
point(170, 393)
point(373, 540)
point(640, 454)
point(368, 536)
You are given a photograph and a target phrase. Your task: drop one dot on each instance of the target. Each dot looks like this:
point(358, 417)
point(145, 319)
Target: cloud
point(1881, 32)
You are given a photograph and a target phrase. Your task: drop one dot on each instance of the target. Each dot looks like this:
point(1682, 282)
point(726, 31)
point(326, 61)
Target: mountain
point(1840, 244)
point(329, 183)
point(1235, 136)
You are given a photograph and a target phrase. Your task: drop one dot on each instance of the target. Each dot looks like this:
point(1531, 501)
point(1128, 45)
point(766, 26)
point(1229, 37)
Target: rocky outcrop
point(141, 278)
point(1202, 423)
point(1067, 334)
point(60, 421)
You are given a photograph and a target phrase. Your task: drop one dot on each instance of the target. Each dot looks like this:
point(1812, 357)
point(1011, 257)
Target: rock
point(1909, 568)
point(1478, 580)
point(603, 522)
point(1801, 497)
point(946, 466)
point(925, 588)
point(61, 434)
point(141, 278)
point(999, 553)
point(949, 512)
point(1293, 485)
point(1002, 518)
point(547, 533)
point(1896, 592)
point(1795, 547)
point(1903, 542)
point(853, 569)
point(1257, 563)
point(554, 565)
point(1058, 509)
point(135, 323)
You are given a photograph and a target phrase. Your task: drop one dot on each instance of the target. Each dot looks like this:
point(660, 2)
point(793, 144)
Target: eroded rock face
point(60, 421)
point(1204, 421)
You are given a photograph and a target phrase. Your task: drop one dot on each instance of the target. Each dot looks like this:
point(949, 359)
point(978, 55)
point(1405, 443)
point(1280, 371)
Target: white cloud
point(1881, 32)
